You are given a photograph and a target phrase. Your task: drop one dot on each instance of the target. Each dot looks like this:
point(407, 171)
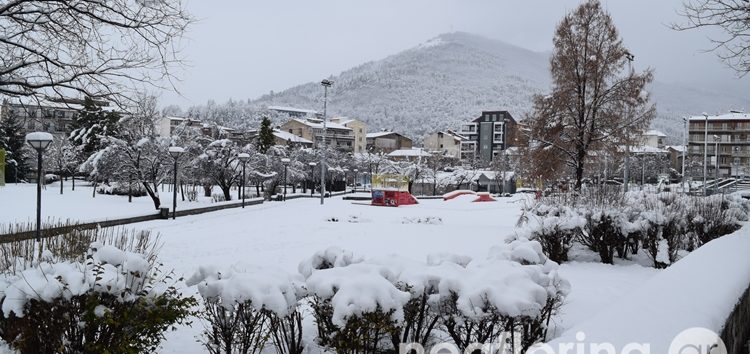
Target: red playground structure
point(391, 190)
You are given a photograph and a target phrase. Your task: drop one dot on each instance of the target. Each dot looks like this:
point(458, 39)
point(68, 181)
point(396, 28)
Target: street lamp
point(326, 84)
point(175, 152)
point(39, 141)
point(312, 177)
point(285, 161)
point(705, 153)
point(717, 139)
point(243, 158)
point(346, 178)
point(684, 147)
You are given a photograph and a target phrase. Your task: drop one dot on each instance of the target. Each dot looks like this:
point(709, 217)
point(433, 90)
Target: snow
point(39, 136)
point(698, 291)
point(733, 115)
point(290, 137)
point(176, 149)
point(413, 152)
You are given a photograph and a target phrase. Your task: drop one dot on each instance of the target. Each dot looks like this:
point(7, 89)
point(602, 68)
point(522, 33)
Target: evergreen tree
point(265, 136)
point(13, 141)
point(91, 124)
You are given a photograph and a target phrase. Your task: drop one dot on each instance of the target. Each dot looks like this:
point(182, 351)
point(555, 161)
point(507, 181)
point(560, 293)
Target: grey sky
point(241, 49)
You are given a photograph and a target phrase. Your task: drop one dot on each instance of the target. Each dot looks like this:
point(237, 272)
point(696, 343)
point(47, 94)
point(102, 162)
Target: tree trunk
point(73, 182)
point(257, 190)
point(579, 170)
point(207, 190)
point(61, 183)
point(154, 196)
point(227, 190)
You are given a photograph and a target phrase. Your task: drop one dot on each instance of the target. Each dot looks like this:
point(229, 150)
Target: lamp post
point(175, 152)
point(285, 161)
point(326, 84)
point(705, 153)
point(717, 139)
point(243, 158)
point(684, 147)
point(39, 141)
point(346, 178)
point(312, 177)
point(355, 179)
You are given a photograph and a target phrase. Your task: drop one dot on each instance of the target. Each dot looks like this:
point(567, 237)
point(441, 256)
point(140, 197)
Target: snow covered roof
point(342, 120)
point(453, 134)
point(383, 133)
point(46, 103)
point(290, 137)
point(646, 150)
point(654, 132)
point(493, 175)
point(291, 109)
point(678, 148)
point(316, 125)
point(732, 115)
point(414, 152)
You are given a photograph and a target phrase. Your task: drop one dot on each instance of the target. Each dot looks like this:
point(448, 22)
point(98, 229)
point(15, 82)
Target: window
point(360, 130)
point(291, 131)
point(441, 146)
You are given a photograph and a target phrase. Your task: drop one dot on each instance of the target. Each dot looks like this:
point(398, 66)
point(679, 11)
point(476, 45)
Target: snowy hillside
point(447, 80)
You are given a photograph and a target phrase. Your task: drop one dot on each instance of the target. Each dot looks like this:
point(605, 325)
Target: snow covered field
point(18, 203)
point(283, 234)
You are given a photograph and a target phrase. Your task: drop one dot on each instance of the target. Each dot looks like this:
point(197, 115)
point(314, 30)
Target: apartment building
point(337, 135)
point(387, 142)
point(487, 135)
point(359, 129)
point(51, 116)
point(729, 132)
point(446, 143)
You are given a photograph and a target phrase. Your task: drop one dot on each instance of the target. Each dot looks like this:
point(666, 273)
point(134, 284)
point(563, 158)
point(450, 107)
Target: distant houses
point(387, 142)
point(446, 143)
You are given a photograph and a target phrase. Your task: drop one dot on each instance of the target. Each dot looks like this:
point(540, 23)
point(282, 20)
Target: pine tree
point(13, 141)
point(91, 124)
point(265, 136)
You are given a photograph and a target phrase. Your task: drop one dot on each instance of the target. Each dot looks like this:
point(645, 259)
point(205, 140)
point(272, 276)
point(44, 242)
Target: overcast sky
point(242, 49)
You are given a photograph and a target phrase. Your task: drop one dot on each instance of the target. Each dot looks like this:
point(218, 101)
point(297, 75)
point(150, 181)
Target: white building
point(447, 143)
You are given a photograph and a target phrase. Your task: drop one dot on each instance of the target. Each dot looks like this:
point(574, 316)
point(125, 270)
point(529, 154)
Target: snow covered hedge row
point(374, 305)
point(665, 225)
point(114, 300)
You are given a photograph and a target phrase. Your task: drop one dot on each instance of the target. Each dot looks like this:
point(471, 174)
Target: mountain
point(445, 81)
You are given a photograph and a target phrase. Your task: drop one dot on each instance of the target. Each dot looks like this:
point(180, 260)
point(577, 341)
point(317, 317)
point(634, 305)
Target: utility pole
point(705, 154)
point(326, 84)
point(684, 147)
point(626, 173)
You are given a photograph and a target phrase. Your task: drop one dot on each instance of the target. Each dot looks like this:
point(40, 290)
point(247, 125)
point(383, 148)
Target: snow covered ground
point(18, 203)
point(283, 234)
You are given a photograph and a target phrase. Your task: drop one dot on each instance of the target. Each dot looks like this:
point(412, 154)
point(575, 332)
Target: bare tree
point(595, 103)
point(88, 48)
point(730, 16)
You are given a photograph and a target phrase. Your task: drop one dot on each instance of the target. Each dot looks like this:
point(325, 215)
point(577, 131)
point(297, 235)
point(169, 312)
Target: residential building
point(411, 154)
point(731, 132)
point(387, 141)
point(653, 138)
point(293, 112)
point(169, 126)
point(487, 135)
point(447, 143)
point(49, 115)
point(358, 128)
point(337, 135)
point(288, 139)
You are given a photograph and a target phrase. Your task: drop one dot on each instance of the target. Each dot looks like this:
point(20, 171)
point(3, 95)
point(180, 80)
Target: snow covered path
point(283, 234)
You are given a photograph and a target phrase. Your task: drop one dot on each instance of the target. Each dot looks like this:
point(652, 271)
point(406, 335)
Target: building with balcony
point(358, 128)
point(487, 135)
point(446, 143)
point(336, 134)
point(729, 132)
point(387, 142)
point(51, 116)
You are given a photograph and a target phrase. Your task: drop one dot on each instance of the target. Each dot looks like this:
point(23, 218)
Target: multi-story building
point(337, 135)
point(387, 142)
point(293, 112)
point(169, 126)
point(653, 138)
point(51, 116)
point(447, 143)
point(358, 128)
point(487, 135)
point(731, 133)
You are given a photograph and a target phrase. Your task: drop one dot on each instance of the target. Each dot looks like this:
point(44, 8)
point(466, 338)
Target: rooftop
point(414, 152)
point(290, 137)
point(732, 115)
point(319, 125)
point(291, 109)
point(654, 132)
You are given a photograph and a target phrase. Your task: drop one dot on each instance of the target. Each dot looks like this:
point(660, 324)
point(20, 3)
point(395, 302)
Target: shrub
point(217, 198)
point(555, 227)
point(115, 301)
point(118, 188)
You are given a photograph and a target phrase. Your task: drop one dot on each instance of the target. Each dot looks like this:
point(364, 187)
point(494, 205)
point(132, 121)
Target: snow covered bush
point(115, 301)
point(554, 226)
point(716, 216)
point(121, 188)
point(244, 308)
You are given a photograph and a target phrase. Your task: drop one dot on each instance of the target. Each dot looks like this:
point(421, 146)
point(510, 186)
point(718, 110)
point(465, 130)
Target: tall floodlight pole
point(705, 153)
point(716, 166)
point(243, 158)
point(175, 152)
point(285, 161)
point(326, 84)
point(626, 173)
point(39, 141)
point(684, 147)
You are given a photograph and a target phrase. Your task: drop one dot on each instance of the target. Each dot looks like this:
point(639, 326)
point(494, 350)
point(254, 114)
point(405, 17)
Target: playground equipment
point(391, 190)
point(456, 193)
point(484, 197)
